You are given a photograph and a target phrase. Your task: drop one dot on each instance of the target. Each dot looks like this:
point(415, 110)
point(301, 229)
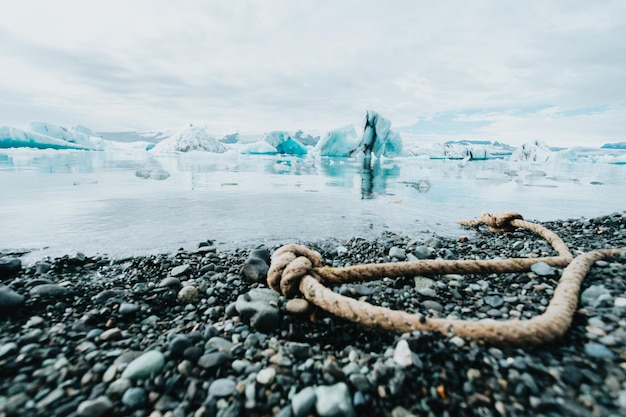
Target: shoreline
point(71, 347)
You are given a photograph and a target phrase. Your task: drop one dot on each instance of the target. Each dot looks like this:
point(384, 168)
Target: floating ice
point(153, 174)
point(259, 148)
point(338, 142)
point(616, 145)
point(82, 137)
point(232, 138)
point(279, 141)
point(462, 149)
point(190, 138)
point(378, 137)
point(12, 137)
point(538, 151)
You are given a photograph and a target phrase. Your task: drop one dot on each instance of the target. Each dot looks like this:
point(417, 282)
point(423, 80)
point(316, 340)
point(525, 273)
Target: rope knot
point(290, 263)
point(501, 222)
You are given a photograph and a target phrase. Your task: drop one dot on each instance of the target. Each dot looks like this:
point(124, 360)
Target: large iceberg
point(190, 138)
point(538, 151)
point(378, 138)
point(338, 142)
point(276, 142)
point(78, 135)
point(12, 137)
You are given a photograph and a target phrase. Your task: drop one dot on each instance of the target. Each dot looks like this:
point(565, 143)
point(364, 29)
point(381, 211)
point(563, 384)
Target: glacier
point(190, 138)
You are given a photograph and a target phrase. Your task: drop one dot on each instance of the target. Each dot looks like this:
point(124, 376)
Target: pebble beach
point(198, 333)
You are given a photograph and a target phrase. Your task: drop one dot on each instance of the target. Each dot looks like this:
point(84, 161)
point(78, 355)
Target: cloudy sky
point(501, 70)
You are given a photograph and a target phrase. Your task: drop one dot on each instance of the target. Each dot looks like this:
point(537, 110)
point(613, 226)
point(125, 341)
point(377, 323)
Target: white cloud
point(255, 66)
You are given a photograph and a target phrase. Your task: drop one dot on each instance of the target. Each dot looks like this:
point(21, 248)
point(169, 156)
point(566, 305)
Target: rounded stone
point(266, 376)
point(97, 407)
point(111, 334)
point(149, 363)
point(543, 269)
point(134, 397)
point(398, 253)
point(597, 350)
point(187, 294)
point(302, 403)
point(297, 306)
point(494, 301)
point(118, 387)
point(9, 299)
point(50, 291)
point(334, 400)
point(211, 360)
point(427, 292)
point(9, 266)
point(222, 387)
point(178, 345)
point(170, 282)
point(128, 308)
point(422, 252)
point(180, 270)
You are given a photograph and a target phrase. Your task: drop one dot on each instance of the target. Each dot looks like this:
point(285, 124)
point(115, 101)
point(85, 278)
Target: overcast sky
point(513, 71)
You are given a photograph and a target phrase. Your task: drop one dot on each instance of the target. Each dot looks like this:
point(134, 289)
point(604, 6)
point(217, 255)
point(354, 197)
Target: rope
point(296, 269)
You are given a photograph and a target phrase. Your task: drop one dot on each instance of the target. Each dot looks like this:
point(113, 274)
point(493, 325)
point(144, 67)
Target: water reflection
point(374, 178)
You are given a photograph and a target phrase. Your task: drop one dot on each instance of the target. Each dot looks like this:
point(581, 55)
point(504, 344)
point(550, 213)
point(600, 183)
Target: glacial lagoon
point(133, 202)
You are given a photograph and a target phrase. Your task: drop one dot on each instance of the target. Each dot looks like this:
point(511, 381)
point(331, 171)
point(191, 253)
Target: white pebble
point(620, 302)
point(403, 355)
point(266, 376)
point(457, 341)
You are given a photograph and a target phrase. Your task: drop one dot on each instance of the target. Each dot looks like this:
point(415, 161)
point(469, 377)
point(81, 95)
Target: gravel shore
point(198, 333)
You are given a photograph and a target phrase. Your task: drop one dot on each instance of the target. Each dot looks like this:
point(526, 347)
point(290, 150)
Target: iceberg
point(81, 136)
point(190, 138)
point(378, 137)
point(307, 140)
point(11, 137)
point(538, 151)
point(338, 142)
point(152, 136)
point(460, 151)
point(616, 145)
point(280, 142)
point(475, 150)
point(232, 138)
point(259, 148)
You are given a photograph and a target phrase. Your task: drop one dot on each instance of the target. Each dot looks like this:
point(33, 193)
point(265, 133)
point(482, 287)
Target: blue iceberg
point(338, 142)
point(78, 135)
point(276, 142)
point(378, 138)
point(12, 137)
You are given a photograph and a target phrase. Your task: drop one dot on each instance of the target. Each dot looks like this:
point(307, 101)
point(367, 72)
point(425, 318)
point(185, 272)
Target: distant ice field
point(133, 202)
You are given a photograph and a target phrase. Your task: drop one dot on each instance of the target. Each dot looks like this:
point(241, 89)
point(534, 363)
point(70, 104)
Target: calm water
point(60, 202)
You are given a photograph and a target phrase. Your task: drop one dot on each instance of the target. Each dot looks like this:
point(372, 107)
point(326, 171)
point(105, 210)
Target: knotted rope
point(297, 269)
